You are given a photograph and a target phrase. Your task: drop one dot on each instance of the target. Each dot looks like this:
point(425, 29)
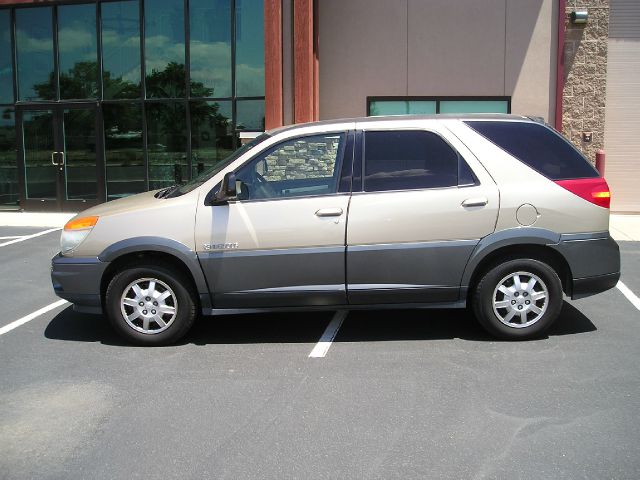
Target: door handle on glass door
point(329, 212)
point(475, 202)
point(53, 162)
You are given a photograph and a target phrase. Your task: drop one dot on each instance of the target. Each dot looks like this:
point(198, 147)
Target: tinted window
point(539, 147)
point(34, 52)
point(402, 160)
point(297, 167)
point(6, 63)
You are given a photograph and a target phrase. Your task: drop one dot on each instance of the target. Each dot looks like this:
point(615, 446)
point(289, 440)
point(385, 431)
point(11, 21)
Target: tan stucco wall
point(437, 48)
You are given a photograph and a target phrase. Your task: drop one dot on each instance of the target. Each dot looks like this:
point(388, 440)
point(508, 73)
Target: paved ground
point(400, 394)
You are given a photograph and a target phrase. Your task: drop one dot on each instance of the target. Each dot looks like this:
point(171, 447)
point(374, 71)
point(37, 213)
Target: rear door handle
point(475, 202)
point(329, 212)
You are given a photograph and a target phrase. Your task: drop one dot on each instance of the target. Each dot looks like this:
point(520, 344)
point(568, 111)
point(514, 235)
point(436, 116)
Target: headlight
point(75, 231)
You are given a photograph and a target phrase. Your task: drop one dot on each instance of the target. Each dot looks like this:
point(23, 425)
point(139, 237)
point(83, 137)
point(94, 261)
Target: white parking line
point(31, 316)
point(27, 237)
point(14, 236)
point(322, 347)
point(629, 294)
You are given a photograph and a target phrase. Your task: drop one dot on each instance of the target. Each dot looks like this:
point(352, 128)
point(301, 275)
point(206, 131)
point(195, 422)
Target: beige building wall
point(437, 48)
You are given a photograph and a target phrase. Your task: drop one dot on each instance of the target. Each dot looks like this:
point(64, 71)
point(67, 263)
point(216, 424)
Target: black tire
point(501, 274)
point(183, 301)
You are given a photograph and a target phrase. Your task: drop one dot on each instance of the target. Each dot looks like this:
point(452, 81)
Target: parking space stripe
point(9, 238)
point(629, 294)
point(31, 316)
point(322, 347)
point(27, 237)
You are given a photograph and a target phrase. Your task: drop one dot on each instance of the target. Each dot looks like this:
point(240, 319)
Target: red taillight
point(594, 190)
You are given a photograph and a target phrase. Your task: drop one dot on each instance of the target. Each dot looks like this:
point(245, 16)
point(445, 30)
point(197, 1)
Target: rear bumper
point(594, 260)
point(78, 281)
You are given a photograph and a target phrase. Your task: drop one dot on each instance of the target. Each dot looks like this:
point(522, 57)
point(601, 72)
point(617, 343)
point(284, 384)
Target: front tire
point(518, 299)
point(150, 304)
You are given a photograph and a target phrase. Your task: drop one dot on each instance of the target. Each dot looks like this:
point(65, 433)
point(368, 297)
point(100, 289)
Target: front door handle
point(475, 202)
point(53, 162)
point(329, 212)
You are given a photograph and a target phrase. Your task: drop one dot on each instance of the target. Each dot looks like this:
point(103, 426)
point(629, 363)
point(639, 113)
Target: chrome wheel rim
point(520, 299)
point(149, 305)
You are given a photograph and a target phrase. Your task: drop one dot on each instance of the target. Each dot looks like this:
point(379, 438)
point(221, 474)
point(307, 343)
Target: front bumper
point(78, 281)
point(594, 260)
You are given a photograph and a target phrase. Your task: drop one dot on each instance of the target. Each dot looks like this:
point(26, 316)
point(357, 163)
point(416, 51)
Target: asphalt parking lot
point(399, 393)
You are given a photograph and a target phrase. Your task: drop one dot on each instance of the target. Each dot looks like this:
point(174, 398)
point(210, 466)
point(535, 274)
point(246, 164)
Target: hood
point(126, 204)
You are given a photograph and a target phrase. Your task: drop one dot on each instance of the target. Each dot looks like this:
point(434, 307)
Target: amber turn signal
point(81, 223)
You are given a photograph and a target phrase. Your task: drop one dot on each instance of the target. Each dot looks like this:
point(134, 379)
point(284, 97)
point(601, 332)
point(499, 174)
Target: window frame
point(363, 163)
point(436, 99)
point(343, 156)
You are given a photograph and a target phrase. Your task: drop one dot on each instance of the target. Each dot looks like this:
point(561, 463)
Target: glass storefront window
point(80, 154)
point(77, 51)
point(166, 144)
point(164, 48)
point(474, 106)
point(408, 106)
point(6, 64)
point(34, 52)
point(120, 49)
point(250, 115)
point(249, 48)
point(38, 145)
point(210, 48)
point(123, 149)
point(211, 134)
point(9, 191)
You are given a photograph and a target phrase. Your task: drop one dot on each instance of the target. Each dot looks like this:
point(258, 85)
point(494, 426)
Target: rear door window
point(410, 159)
point(537, 146)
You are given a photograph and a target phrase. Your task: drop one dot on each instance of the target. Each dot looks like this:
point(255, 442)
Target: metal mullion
point(234, 142)
point(56, 60)
point(100, 93)
point(143, 91)
point(14, 53)
point(187, 80)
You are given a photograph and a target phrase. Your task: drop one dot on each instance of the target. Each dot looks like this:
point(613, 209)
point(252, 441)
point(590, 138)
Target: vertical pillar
point(304, 62)
point(273, 110)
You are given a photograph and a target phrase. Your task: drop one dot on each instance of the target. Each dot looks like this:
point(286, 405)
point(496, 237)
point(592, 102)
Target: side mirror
point(228, 190)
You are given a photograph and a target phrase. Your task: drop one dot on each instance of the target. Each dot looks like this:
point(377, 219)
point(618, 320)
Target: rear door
point(282, 243)
point(425, 202)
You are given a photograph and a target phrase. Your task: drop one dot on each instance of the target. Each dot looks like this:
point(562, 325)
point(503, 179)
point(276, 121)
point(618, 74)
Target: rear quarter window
point(537, 146)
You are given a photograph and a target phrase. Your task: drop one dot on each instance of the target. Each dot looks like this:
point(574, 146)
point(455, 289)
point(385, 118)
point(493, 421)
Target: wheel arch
point(155, 250)
point(531, 243)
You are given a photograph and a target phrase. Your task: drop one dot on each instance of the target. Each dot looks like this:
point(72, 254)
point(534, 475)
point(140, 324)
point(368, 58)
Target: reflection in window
point(210, 48)
point(80, 154)
point(38, 143)
point(474, 106)
point(402, 107)
point(250, 115)
point(297, 167)
point(6, 67)
point(164, 48)
point(249, 48)
point(123, 150)
point(402, 160)
point(77, 51)
point(166, 144)
point(9, 191)
point(34, 52)
point(121, 49)
point(211, 137)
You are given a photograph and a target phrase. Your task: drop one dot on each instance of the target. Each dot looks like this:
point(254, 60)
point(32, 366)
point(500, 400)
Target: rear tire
point(150, 304)
point(518, 299)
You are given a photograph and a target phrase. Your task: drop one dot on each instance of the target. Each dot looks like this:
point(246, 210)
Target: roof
point(439, 116)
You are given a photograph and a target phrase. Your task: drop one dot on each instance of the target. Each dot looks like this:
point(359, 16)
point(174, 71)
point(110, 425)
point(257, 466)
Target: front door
point(60, 157)
point(282, 243)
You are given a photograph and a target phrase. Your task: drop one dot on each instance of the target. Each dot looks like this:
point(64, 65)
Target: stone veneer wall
point(303, 159)
point(585, 75)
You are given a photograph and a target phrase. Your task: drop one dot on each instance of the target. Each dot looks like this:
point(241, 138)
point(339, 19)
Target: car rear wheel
point(518, 299)
point(150, 304)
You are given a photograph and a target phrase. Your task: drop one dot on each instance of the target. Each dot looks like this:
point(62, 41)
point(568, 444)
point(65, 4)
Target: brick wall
point(585, 60)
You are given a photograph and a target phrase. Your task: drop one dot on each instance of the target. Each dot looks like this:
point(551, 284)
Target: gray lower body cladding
point(594, 260)
point(78, 281)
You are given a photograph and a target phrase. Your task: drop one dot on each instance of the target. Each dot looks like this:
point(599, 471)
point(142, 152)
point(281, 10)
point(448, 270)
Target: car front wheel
point(150, 304)
point(518, 299)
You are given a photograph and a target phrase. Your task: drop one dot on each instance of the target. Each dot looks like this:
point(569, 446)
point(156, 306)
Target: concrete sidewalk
point(622, 227)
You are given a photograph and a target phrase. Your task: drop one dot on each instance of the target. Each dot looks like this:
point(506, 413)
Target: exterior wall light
point(579, 17)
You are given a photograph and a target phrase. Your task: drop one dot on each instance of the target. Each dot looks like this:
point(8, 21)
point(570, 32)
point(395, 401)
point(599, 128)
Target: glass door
point(61, 157)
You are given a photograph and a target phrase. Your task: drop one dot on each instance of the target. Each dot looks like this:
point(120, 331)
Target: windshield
point(199, 180)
